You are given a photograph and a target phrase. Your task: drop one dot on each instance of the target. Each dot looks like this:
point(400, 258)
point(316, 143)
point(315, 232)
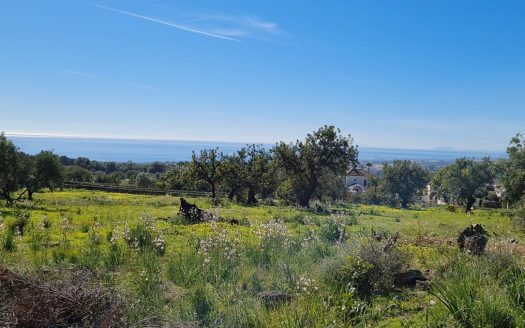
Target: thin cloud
point(142, 86)
point(248, 23)
point(162, 22)
point(92, 76)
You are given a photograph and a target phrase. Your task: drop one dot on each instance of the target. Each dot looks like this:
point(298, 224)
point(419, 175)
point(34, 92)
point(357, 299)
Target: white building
point(357, 180)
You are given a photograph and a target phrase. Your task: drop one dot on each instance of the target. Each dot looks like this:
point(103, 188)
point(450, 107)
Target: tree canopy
point(9, 173)
point(205, 166)
point(514, 169)
point(405, 179)
point(303, 163)
point(464, 181)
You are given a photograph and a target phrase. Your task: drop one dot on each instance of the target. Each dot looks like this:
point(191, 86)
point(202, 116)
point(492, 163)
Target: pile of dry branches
point(69, 302)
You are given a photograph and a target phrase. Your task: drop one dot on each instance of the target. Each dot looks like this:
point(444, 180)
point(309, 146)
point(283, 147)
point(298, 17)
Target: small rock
point(410, 278)
point(273, 298)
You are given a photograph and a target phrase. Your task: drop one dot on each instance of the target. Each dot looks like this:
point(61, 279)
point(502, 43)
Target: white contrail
point(82, 74)
point(158, 21)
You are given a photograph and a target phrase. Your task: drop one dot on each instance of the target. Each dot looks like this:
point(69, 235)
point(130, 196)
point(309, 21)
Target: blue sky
point(401, 74)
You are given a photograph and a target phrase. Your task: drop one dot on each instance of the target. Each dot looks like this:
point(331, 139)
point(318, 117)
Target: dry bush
point(70, 302)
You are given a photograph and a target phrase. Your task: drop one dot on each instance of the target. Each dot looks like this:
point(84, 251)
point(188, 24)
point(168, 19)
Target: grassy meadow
point(330, 266)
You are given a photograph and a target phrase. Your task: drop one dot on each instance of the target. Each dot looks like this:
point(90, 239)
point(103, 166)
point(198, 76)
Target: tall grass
point(481, 292)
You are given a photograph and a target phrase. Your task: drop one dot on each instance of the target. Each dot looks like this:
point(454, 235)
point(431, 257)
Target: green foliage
point(202, 305)
point(21, 221)
point(247, 173)
point(41, 171)
point(9, 169)
point(144, 180)
point(302, 164)
point(369, 269)
point(514, 169)
point(114, 256)
point(464, 181)
point(179, 177)
point(480, 293)
point(333, 229)
point(144, 236)
point(147, 283)
point(48, 170)
point(212, 273)
point(8, 241)
point(77, 174)
point(405, 179)
point(233, 174)
point(205, 166)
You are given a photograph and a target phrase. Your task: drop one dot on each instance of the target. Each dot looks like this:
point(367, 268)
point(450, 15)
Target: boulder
point(473, 239)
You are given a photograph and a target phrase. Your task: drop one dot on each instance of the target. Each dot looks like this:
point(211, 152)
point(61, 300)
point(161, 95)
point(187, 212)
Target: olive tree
point(9, 174)
point(464, 181)
point(514, 169)
point(205, 166)
point(41, 171)
point(304, 162)
point(405, 179)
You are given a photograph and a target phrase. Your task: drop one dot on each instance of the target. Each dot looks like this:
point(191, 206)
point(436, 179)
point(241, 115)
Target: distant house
point(357, 180)
point(499, 188)
point(428, 196)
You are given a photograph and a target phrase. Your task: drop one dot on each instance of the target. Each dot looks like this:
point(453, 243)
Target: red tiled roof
point(358, 172)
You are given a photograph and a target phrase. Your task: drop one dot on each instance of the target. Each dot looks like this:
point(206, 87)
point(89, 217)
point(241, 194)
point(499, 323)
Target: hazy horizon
point(147, 151)
point(63, 136)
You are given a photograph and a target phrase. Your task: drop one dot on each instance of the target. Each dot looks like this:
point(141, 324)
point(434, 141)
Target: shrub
point(20, 222)
point(144, 235)
point(84, 228)
point(371, 268)
point(452, 208)
point(46, 222)
point(333, 229)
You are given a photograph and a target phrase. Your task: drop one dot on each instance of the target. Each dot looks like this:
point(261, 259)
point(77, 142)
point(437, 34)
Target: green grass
point(210, 274)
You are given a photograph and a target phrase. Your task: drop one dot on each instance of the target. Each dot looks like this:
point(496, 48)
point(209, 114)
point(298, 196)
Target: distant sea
point(143, 151)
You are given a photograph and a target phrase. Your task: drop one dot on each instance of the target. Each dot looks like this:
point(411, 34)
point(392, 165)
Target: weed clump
point(21, 221)
point(480, 292)
point(145, 236)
